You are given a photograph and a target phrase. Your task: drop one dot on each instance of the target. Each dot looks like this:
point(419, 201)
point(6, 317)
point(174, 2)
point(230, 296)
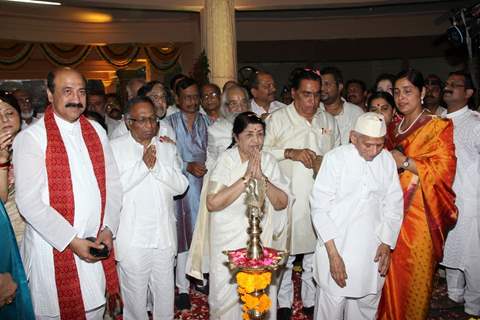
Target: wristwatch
point(406, 163)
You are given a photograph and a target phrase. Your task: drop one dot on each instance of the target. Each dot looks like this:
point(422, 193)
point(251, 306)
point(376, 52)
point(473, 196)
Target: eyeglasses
point(241, 103)
point(157, 97)
point(210, 95)
point(144, 121)
point(454, 85)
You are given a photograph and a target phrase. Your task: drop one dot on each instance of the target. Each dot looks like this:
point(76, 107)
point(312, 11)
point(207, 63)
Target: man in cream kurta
point(300, 130)
point(146, 240)
point(357, 211)
point(46, 228)
point(461, 254)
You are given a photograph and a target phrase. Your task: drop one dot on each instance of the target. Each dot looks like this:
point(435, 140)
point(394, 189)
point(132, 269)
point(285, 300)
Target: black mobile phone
point(99, 253)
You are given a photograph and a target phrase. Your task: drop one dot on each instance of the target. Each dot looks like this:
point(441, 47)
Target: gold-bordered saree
point(429, 213)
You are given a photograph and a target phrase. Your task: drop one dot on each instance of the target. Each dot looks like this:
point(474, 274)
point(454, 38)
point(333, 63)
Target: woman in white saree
point(228, 219)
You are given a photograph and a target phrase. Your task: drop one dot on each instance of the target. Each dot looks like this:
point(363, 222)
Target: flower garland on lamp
point(255, 263)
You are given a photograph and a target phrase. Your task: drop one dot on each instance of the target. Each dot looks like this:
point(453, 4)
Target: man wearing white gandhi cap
point(357, 210)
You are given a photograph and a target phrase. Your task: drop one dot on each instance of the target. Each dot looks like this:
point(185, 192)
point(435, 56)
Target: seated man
point(146, 243)
point(357, 211)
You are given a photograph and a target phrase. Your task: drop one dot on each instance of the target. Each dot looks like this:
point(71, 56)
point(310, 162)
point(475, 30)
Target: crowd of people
point(112, 209)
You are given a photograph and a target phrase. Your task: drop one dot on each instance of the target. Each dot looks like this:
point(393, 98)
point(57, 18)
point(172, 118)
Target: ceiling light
point(51, 3)
point(93, 17)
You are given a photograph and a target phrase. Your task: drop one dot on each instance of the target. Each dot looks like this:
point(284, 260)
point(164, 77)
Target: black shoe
point(284, 314)
point(202, 289)
point(182, 301)
point(308, 311)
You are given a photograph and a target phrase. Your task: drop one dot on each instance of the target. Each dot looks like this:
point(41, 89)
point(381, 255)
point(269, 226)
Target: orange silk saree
point(429, 213)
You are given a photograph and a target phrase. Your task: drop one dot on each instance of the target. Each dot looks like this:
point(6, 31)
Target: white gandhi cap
point(371, 124)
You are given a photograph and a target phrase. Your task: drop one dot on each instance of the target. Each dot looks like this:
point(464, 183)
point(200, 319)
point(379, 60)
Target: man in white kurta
point(346, 119)
point(461, 254)
point(234, 101)
point(345, 113)
point(263, 90)
point(293, 133)
point(146, 240)
point(357, 211)
point(46, 228)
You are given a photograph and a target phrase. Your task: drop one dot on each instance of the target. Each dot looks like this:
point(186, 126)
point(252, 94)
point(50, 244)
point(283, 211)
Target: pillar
point(219, 41)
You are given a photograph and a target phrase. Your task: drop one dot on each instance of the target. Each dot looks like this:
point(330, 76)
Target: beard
point(26, 115)
point(231, 116)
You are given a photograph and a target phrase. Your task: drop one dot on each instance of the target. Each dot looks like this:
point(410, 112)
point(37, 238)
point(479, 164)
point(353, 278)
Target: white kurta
point(346, 119)
point(112, 124)
point(463, 241)
point(147, 219)
point(274, 106)
point(46, 228)
point(164, 130)
point(358, 204)
point(228, 230)
point(287, 129)
point(219, 139)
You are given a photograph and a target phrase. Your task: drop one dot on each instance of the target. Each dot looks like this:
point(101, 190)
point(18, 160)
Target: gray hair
point(224, 112)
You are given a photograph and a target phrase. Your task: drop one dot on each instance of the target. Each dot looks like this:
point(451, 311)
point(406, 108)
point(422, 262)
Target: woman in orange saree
point(425, 155)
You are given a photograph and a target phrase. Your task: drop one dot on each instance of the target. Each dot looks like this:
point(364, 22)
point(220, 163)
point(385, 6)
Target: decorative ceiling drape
point(14, 54)
point(162, 57)
point(119, 55)
point(65, 54)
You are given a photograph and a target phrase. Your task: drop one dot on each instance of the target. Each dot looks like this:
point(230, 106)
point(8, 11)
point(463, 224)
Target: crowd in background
point(372, 188)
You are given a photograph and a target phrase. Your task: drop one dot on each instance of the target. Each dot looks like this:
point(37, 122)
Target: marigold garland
point(249, 283)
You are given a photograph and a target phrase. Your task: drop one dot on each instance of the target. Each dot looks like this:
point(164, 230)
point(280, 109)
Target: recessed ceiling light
point(51, 3)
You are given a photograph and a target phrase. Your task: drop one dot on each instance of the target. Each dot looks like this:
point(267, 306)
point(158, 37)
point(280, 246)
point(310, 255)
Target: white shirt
point(219, 139)
point(463, 240)
point(25, 125)
point(440, 111)
point(358, 204)
point(147, 216)
point(46, 228)
point(274, 105)
point(112, 124)
point(346, 119)
point(164, 130)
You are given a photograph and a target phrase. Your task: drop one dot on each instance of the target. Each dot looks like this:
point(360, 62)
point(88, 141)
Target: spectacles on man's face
point(145, 121)
point(240, 103)
point(454, 85)
point(158, 97)
point(209, 95)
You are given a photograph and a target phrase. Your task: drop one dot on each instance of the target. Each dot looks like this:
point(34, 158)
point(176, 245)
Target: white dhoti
point(146, 270)
point(464, 286)
point(285, 291)
point(330, 307)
